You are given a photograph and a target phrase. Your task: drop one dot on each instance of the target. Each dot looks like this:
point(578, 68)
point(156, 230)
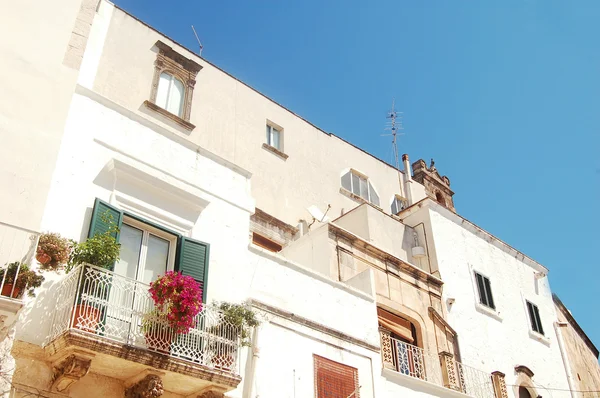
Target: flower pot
point(43, 258)
point(159, 338)
point(223, 361)
point(86, 318)
point(7, 288)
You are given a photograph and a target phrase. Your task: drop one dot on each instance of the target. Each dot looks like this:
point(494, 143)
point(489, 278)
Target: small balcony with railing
point(107, 324)
point(17, 250)
point(438, 369)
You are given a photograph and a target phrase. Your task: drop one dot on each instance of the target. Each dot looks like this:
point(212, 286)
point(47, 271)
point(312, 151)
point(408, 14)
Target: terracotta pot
point(7, 288)
point(223, 362)
point(43, 258)
point(86, 318)
point(159, 339)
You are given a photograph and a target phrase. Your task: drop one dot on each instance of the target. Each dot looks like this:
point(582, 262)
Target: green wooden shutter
point(192, 260)
point(98, 225)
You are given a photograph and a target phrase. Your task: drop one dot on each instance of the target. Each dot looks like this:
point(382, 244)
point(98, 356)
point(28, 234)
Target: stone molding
point(183, 69)
point(150, 386)
point(70, 370)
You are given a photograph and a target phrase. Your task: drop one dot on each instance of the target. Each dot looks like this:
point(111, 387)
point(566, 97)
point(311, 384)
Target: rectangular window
point(485, 290)
point(335, 380)
point(534, 318)
point(360, 186)
point(274, 137)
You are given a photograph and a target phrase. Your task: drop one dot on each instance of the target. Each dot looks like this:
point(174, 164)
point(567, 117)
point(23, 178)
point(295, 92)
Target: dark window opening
point(485, 291)
point(534, 318)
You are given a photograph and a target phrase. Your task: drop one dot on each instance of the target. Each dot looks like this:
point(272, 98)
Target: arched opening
point(524, 392)
point(440, 198)
point(406, 355)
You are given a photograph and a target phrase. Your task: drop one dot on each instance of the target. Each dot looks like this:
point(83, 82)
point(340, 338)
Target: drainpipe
point(563, 353)
point(407, 179)
point(252, 373)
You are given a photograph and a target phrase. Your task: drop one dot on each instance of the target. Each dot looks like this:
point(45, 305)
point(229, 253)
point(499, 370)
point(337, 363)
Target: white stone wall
point(36, 90)
point(502, 339)
point(230, 119)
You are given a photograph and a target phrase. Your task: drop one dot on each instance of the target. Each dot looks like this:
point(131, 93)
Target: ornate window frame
point(182, 68)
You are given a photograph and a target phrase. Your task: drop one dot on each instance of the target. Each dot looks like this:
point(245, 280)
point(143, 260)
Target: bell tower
point(436, 186)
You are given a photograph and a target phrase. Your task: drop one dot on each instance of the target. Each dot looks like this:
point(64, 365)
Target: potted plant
point(101, 250)
point(177, 301)
point(53, 250)
point(15, 283)
point(235, 325)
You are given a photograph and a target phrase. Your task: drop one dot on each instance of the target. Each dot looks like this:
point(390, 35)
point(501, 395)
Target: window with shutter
point(484, 289)
point(335, 380)
point(192, 260)
point(102, 216)
point(534, 318)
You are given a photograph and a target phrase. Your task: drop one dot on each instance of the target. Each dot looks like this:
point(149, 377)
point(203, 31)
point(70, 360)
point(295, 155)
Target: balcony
point(439, 369)
point(17, 245)
point(105, 322)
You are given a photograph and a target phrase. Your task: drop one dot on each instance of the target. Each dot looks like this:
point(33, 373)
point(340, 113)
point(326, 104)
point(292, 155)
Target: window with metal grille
point(534, 318)
point(335, 380)
point(485, 290)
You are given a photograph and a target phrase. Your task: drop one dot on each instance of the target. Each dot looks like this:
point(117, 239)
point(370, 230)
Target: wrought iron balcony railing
point(97, 302)
point(17, 245)
point(440, 369)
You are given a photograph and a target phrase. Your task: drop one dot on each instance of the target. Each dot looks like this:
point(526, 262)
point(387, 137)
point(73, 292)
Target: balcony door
point(146, 253)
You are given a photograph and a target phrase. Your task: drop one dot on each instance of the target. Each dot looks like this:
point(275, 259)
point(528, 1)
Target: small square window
point(274, 137)
point(534, 318)
point(335, 380)
point(485, 290)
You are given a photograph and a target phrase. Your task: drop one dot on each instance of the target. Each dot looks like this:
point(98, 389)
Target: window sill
point(183, 123)
point(276, 151)
point(539, 337)
point(488, 311)
point(357, 198)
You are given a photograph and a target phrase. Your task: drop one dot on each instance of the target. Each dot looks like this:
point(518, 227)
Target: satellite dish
point(317, 214)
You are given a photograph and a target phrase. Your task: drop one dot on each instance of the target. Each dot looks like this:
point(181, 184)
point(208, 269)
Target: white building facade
point(366, 280)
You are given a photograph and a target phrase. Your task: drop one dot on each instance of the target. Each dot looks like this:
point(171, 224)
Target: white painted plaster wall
point(230, 120)
point(501, 340)
point(36, 89)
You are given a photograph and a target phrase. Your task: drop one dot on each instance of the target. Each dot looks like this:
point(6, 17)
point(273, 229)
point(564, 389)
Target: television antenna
point(395, 126)
point(199, 44)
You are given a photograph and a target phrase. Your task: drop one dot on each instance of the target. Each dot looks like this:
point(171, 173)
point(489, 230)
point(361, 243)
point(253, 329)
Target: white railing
point(415, 362)
point(98, 302)
point(474, 382)
point(439, 369)
point(17, 245)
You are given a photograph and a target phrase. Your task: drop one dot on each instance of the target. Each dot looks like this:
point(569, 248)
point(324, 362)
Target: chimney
point(406, 166)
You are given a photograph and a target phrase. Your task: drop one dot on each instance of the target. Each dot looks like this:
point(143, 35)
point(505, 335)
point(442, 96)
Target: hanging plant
point(53, 250)
point(178, 299)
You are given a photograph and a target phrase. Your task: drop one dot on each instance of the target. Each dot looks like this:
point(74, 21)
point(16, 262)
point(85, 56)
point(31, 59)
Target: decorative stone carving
point(386, 349)
point(499, 382)
point(211, 394)
point(70, 370)
point(150, 386)
point(451, 379)
point(436, 186)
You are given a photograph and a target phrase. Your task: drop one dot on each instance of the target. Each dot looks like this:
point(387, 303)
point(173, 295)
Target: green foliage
point(27, 278)
point(101, 250)
point(240, 316)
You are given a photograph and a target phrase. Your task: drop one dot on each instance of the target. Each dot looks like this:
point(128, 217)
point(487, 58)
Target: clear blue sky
point(505, 95)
